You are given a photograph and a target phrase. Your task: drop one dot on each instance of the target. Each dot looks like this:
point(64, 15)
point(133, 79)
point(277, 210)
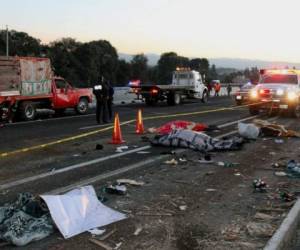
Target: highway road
point(59, 154)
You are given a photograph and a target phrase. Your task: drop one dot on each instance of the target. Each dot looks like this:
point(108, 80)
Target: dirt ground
point(199, 206)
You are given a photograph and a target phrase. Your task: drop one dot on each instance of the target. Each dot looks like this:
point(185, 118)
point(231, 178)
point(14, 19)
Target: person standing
point(217, 88)
point(229, 89)
point(110, 100)
point(101, 94)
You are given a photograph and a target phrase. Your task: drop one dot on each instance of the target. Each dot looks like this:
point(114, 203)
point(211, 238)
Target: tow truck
point(186, 84)
point(28, 84)
point(277, 90)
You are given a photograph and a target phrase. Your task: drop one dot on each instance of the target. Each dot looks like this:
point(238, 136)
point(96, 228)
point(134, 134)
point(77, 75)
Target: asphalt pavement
point(58, 154)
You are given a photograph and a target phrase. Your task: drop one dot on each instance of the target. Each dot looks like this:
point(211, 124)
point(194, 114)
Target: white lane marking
point(122, 170)
point(66, 169)
point(80, 165)
point(112, 173)
point(234, 122)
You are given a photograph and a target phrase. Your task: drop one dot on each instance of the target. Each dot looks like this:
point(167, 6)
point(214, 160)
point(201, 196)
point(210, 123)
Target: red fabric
point(168, 127)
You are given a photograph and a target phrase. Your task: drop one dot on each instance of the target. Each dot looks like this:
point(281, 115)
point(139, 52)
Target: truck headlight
point(279, 92)
point(291, 95)
point(253, 93)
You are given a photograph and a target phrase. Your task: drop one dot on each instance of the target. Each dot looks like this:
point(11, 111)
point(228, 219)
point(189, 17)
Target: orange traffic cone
point(117, 135)
point(139, 123)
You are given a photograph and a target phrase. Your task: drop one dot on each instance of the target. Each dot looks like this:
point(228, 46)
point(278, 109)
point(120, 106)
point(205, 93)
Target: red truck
point(28, 84)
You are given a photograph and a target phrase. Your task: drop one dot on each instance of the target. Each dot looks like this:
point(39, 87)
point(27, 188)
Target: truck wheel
point(295, 112)
point(177, 98)
point(82, 106)
point(204, 98)
point(253, 110)
point(174, 99)
point(27, 111)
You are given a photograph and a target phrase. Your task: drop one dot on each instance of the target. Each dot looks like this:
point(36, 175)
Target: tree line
point(83, 63)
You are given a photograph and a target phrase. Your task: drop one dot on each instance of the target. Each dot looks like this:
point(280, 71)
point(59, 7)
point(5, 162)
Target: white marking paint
point(109, 157)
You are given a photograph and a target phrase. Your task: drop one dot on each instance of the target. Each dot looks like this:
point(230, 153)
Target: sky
point(254, 29)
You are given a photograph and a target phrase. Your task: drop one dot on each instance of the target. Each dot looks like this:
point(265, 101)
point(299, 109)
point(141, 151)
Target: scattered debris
point(286, 196)
point(197, 141)
point(173, 125)
point(258, 229)
point(272, 153)
point(259, 186)
point(97, 231)
point(70, 221)
point(210, 173)
point(248, 130)
point(210, 190)
point(227, 164)
point(293, 168)
point(171, 162)
point(280, 173)
point(101, 244)
point(106, 236)
point(183, 159)
point(273, 129)
point(154, 214)
point(206, 160)
point(263, 216)
point(182, 207)
point(25, 220)
point(237, 174)
point(118, 245)
point(279, 141)
point(99, 147)
point(137, 231)
point(130, 182)
point(116, 189)
point(121, 149)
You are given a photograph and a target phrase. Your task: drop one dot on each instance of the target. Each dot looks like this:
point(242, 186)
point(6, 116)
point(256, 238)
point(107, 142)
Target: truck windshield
point(292, 79)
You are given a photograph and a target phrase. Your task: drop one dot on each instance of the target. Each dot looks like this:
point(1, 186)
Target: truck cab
point(277, 90)
point(66, 96)
point(190, 79)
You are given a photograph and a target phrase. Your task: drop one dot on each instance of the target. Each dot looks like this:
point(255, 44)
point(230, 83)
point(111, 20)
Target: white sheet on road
point(79, 210)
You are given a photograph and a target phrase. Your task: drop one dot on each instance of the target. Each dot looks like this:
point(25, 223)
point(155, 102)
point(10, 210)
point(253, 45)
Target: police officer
point(101, 93)
point(110, 100)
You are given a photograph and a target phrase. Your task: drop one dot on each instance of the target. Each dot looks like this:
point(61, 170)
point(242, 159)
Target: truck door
point(64, 94)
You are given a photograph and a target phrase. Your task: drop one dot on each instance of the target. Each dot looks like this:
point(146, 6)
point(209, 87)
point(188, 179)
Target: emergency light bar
point(279, 71)
point(183, 68)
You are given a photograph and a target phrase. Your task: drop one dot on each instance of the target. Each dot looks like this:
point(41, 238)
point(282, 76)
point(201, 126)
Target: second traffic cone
point(139, 123)
point(117, 134)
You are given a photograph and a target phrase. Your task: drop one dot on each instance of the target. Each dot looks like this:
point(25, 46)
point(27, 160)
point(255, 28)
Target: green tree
point(123, 74)
point(63, 59)
point(167, 63)
point(139, 67)
point(20, 44)
point(97, 58)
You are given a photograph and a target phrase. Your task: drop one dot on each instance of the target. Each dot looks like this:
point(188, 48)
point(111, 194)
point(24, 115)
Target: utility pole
point(7, 45)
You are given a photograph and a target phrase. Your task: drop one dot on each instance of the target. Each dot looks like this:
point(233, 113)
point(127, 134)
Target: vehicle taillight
point(154, 91)
point(264, 91)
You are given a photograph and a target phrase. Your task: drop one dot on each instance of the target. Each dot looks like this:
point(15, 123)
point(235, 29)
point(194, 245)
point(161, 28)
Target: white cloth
point(79, 210)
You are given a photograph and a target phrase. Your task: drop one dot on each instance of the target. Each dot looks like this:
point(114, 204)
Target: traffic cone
point(139, 123)
point(117, 134)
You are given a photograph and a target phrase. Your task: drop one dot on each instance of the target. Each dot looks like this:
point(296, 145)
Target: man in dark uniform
point(110, 100)
point(101, 93)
